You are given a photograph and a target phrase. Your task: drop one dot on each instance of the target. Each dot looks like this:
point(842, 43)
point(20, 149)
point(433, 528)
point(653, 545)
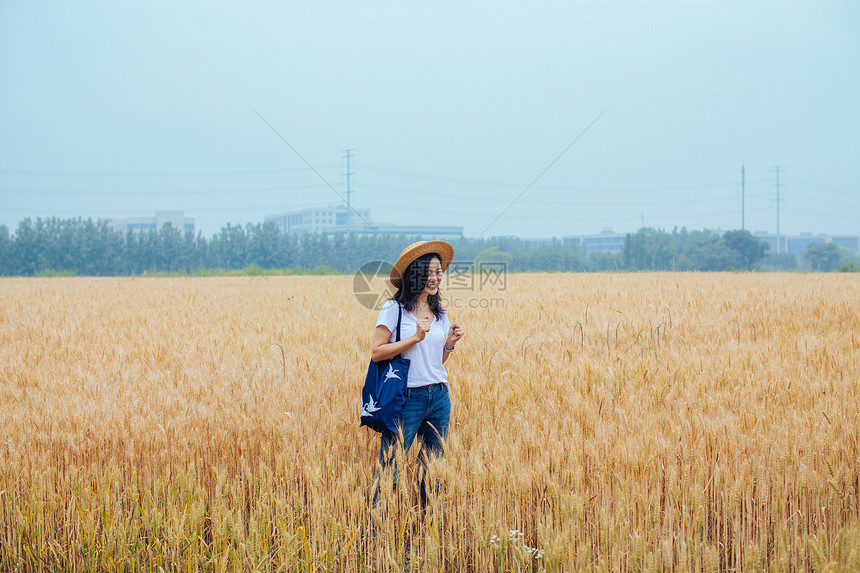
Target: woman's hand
point(422, 328)
point(455, 333)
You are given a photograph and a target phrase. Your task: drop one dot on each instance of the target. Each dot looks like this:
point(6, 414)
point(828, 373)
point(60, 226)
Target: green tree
point(823, 257)
point(113, 252)
point(28, 250)
point(267, 246)
point(648, 249)
point(634, 251)
point(196, 249)
point(5, 251)
point(493, 255)
point(778, 262)
point(230, 247)
point(750, 249)
point(170, 249)
point(706, 251)
point(315, 250)
point(604, 262)
point(661, 252)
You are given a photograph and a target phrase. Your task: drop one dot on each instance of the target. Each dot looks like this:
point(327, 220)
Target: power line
point(146, 174)
point(721, 198)
point(545, 169)
point(281, 137)
point(149, 192)
point(509, 184)
point(113, 212)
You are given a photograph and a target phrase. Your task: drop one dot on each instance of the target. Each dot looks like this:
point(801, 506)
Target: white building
point(177, 220)
point(797, 244)
point(318, 219)
point(607, 241)
point(338, 219)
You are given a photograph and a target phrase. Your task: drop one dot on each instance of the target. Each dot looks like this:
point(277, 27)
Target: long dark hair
point(413, 282)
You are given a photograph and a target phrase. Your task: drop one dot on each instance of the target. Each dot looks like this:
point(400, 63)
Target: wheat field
point(606, 422)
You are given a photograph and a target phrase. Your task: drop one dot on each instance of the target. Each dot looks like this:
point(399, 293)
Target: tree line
point(683, 250)
point(78, 246)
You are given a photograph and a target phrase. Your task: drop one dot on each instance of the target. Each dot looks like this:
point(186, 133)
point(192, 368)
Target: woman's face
point(434, 277)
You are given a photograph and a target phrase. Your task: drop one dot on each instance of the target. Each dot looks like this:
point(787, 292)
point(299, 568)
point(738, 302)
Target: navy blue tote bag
point(384, 390)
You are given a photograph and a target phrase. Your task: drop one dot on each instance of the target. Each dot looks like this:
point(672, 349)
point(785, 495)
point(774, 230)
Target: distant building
point(607, 241)
point(146, 224)
point(797, 244)
point(338, 219)
point(529, 241)
point(846, 242)
point(540, 242)
point(769, 238)
point(318, 219)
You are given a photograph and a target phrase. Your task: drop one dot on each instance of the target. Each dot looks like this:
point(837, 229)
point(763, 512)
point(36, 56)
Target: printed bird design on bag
point(392, 373)
point(368, 409)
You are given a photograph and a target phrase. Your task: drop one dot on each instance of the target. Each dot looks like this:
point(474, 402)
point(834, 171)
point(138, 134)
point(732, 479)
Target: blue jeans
point(426, 413)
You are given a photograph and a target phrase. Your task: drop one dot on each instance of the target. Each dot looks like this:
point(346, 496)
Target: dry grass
point(600, 422)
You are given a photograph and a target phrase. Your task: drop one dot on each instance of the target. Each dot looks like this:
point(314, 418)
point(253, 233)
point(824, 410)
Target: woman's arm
point(445, 353)
point(455, 333)
point(381, 349)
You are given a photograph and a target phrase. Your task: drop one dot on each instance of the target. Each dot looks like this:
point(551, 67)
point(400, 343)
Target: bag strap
point(399, 316)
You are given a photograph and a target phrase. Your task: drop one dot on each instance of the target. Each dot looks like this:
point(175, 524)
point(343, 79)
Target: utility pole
point(777, 168)
point(348, 155)
point(743, 199)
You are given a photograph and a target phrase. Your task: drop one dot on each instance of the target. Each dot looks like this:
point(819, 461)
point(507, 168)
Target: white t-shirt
point(425, 358)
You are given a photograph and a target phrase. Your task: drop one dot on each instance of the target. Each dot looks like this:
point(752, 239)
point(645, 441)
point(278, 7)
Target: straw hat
point(415, 250)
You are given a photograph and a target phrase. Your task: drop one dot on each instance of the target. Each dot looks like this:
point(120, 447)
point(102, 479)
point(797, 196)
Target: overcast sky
point(116, 109)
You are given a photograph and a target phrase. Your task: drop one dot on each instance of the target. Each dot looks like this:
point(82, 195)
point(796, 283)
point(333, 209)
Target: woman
point(427, 338)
